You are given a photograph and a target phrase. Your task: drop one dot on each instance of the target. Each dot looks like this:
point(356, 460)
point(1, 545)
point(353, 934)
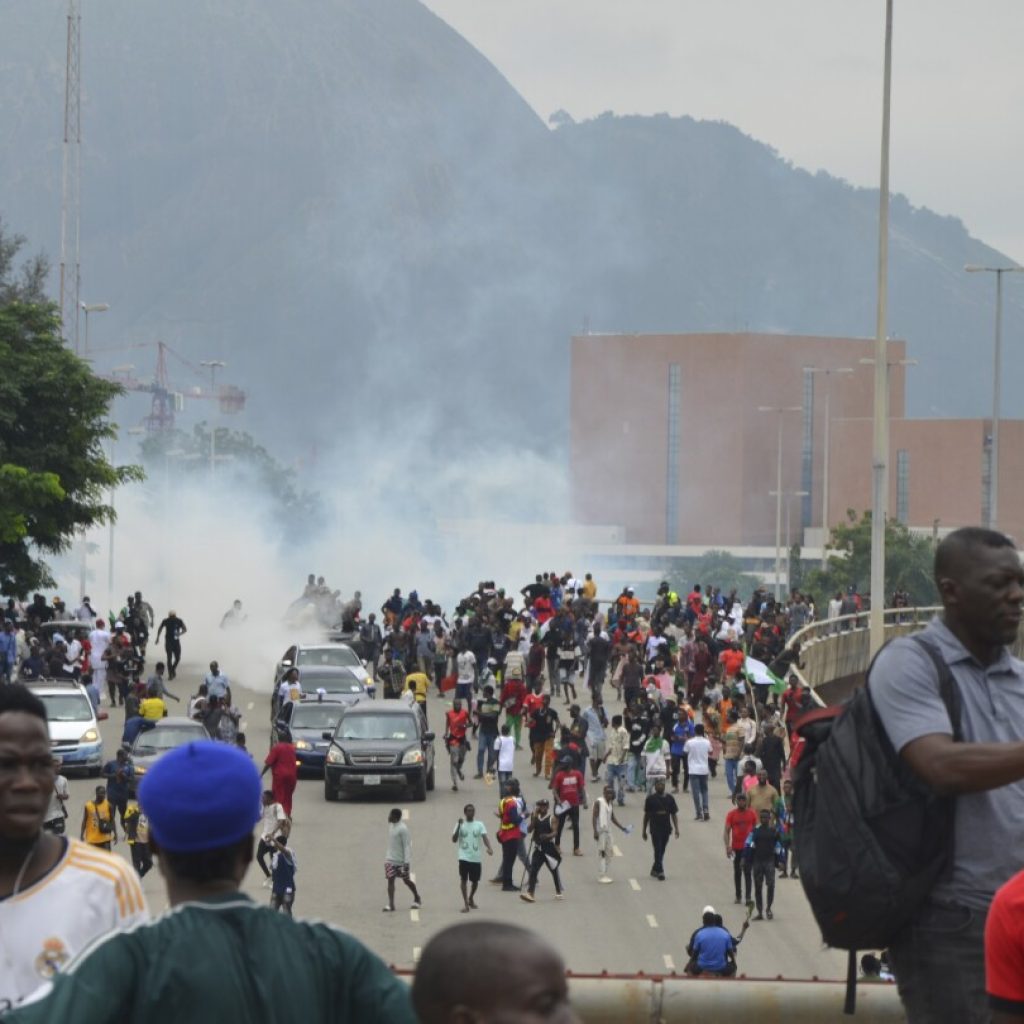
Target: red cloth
point(740, 824)
point(1004, 947)
point(449, 682)
point(513, 693)
point(455, 726)
point(568, 787)
point(284, 773)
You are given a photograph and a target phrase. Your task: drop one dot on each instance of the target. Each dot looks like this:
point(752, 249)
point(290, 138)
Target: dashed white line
point(414, 915)
point(249, 706)
point(405, 814)
point(616, 851)
point(634, 885)
point(652, 920)
point(670, 964)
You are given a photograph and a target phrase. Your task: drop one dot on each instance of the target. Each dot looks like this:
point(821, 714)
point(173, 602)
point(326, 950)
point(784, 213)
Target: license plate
point(371, 780)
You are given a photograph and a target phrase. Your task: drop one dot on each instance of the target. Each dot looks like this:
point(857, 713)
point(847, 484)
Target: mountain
point(349, 205)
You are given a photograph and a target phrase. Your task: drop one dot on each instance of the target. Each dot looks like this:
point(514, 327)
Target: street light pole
point(880, 432)
point(778, 491)
point(96, 307)
point(997, 361)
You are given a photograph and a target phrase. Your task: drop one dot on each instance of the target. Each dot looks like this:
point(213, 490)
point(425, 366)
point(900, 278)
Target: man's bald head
point(959, 549)
point(486, 972)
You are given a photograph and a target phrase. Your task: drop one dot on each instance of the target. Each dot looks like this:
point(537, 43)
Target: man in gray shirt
point(939, 960)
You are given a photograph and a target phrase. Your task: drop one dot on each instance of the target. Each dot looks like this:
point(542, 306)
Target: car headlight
point(412, 757)
point(335, 756)
point(140, 770)
point(303, 745)
point(89, 736)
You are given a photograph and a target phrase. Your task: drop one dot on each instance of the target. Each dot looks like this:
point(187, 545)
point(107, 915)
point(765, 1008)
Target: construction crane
point(71, 181)
point(167, 400)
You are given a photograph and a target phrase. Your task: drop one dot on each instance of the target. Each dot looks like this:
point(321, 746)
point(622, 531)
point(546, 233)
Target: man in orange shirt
point(456, 722)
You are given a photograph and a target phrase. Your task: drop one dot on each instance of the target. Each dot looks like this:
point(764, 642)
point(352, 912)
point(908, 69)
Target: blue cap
point(201, 796)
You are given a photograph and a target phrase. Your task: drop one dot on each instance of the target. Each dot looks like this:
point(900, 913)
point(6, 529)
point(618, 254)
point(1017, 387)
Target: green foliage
point(908, 562)
point(240, 459)
point(719, 568)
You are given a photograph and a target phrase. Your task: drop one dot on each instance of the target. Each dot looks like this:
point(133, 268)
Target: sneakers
point(388, 910)
point(737, 900)
point(768, 913)
point(759, 916)
point(479, 775)
point(605, 880)
point(527, 896)
point(559, 895)
point(577, 853)
point(707, 815)
point(417, 903)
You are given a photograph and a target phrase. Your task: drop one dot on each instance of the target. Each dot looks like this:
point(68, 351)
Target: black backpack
point(871, 838)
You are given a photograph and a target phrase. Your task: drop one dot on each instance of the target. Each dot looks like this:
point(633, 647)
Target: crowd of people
point(595, 701)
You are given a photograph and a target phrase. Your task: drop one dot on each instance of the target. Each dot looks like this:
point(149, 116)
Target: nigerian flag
point(758, 673)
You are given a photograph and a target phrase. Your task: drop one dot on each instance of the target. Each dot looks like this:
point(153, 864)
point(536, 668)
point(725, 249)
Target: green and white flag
point(758, 673)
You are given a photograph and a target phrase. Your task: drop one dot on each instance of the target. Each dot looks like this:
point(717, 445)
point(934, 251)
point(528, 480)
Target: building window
point(807, 449)
point(903, 485)
point(672, 467)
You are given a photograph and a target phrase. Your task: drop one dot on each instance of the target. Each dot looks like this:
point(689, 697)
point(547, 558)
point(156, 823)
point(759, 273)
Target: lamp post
point(780, 410)
point(826, 450)
point(213, 365)
point(96, 307)
point(997, 359)
point(880, 428)
point(789, 496)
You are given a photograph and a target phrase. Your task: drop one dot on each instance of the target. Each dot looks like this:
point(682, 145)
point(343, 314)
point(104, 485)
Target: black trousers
point(764, 873)
point(261, 853)
point(539, 860)
point(173, 650)
point(573, 814)
point(741, 867)
point(142, 858)
point(659, 840)
point(508, 863)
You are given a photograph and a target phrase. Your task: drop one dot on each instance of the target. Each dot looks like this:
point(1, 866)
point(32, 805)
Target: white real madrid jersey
point(88, 893)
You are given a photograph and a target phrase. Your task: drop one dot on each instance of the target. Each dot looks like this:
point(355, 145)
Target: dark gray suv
point(379, 745)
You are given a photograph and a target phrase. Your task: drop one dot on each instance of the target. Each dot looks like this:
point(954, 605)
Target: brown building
point(668, 443)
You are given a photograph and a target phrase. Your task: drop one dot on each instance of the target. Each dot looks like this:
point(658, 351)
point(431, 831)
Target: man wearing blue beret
point(216, 956)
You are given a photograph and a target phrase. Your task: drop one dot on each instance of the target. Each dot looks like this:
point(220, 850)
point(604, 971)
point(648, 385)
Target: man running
point(456, 722)
point(470, 835)
point(175, 629)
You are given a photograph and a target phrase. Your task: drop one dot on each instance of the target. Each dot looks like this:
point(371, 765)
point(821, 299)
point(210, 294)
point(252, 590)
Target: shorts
point(395, 870)
point(463, 691)
point(597, 750)
point(470, 870)
point(604, 844)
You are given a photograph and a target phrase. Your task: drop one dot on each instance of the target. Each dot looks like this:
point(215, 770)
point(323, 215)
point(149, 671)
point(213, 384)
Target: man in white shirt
point(56, 895)
point(603, 819)
point(505, 746)
point(99, 640)
point(697, 750)
point(275, 822)
point(56, 813)
point(466, 665)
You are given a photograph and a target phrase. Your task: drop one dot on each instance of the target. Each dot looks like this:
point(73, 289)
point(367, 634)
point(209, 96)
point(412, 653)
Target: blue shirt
point(681, 732)
point(711, 946)
point(8, 648)
point(283, 872)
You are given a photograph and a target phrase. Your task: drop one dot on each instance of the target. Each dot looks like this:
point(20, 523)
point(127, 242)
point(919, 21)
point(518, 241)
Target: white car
point(302, 656)
point(73, 723)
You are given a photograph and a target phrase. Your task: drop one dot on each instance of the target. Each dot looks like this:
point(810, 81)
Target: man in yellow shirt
point(418, 683)
point(153, 707)
point(98, 821)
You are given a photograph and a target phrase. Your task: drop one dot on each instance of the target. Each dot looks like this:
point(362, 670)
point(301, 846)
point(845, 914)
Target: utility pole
point(71, 182)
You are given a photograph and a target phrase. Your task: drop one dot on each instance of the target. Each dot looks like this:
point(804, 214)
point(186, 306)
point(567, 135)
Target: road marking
point(634, 885)
point(652, 920)
point(249, 706)
point(670, 964)
point(416, 954)
point(616, 850)
point(414, 915)
point(405, 814)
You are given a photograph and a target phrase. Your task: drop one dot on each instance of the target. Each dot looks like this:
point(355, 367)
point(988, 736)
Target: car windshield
point(316, 716)
point(67, 707)
point(378, 727)
point(338, 655)
point(158, 740)
point(343, 682)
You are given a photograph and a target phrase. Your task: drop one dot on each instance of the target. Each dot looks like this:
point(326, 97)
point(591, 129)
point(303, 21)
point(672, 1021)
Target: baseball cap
point(709, 910)
point(201, 796)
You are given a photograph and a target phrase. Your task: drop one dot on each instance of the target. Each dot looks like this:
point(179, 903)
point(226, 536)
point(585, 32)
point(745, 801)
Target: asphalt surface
point(635, 924)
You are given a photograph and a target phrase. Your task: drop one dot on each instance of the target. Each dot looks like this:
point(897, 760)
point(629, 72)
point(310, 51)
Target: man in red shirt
point(568, 786)
point(1004, 952)
point(456, 722)
point(739, 823)
point(284, 774)
point(513, 697)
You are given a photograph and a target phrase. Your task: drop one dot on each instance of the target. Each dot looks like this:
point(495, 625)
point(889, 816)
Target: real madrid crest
point(53, 957)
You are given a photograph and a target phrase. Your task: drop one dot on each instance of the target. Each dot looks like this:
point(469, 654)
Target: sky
point(803, 76)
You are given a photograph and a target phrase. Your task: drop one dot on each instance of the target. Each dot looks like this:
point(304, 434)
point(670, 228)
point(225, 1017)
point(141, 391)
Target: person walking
point(505, 752)
point(471, 837)
point(284, 774)
point(510, 816)
point(456, 722)
point(615, 760)
point(56, 818)
point(764, 846)
point(697, 751)
point(283, 866)
point(545, 851)
point(488, 712)
point(739, 823)
point(543, 723)
point(602, 819)
point(274, 821)
point(136, 831)
point(660, 819)
point(568, 785)
point(397, 860)
point(98, 828)
point(655, 758)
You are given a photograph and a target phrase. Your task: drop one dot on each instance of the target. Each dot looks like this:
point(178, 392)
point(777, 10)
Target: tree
point(719, 568)
point(908, 562)
point(54, 476)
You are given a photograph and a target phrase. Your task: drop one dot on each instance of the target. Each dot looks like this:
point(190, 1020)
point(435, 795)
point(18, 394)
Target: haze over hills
point(350, 205)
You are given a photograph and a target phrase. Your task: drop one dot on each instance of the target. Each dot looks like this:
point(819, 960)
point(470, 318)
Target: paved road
point(635, 924)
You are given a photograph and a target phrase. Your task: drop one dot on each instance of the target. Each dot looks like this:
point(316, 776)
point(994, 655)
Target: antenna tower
point(71, 191)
